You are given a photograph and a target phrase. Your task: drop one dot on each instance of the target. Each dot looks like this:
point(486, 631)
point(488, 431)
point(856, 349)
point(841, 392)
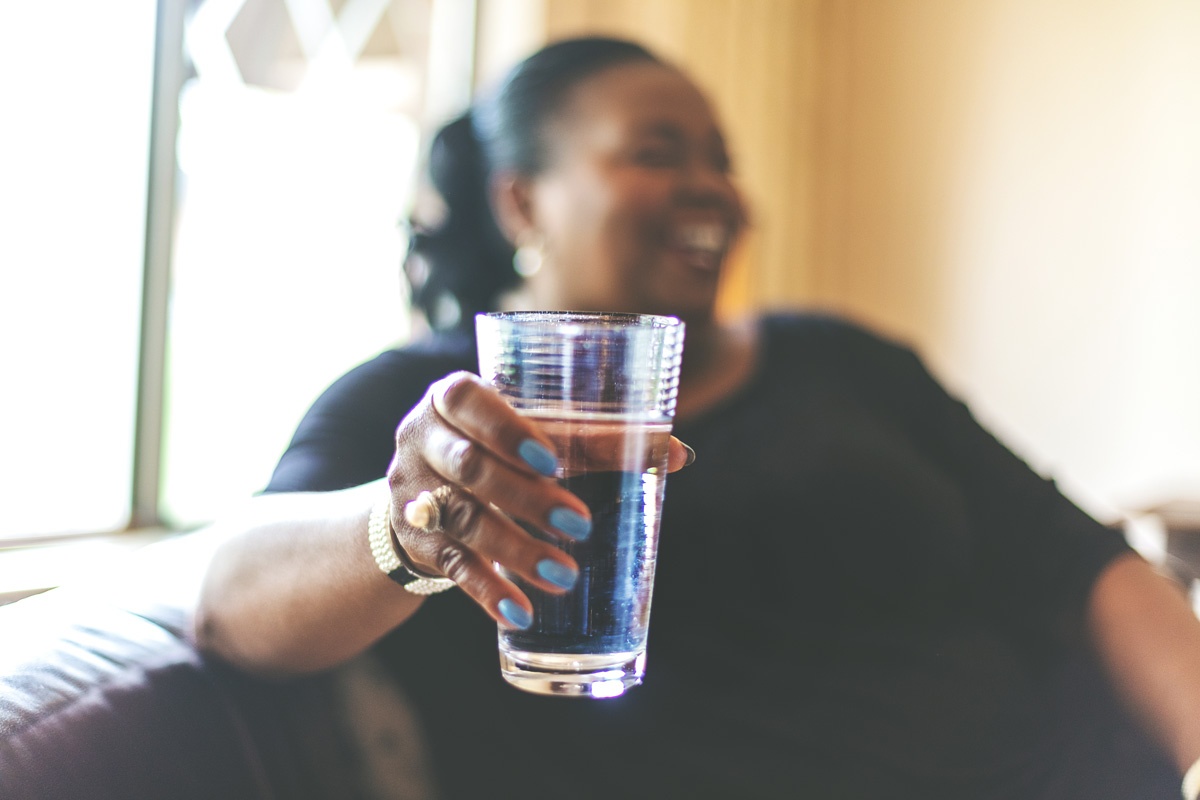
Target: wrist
point(390, 557)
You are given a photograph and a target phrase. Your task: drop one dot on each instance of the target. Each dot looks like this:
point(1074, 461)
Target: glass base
point(573, 675)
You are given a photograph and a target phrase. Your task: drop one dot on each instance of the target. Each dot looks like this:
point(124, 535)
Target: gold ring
point(425, 512)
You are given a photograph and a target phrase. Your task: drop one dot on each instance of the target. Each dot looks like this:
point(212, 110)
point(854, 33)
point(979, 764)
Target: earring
point(528, 258)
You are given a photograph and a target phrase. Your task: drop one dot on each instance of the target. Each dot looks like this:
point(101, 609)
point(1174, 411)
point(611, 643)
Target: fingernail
point(560, 575)
point(691, 455)
point(570, 523)
point(515, 613)
point(535, 454)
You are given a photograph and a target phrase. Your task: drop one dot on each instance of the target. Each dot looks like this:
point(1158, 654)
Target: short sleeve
point(347, 437)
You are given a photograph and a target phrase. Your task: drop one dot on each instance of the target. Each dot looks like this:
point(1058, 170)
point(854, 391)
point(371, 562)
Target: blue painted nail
point(535, 454)
point(559, 574)
point(570, 523)
point(512, 611)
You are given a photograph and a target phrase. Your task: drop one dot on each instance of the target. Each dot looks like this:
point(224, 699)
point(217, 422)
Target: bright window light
point(298, 152)
point(76, 91)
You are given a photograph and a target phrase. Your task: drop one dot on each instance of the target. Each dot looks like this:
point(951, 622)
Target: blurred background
point(200, 208)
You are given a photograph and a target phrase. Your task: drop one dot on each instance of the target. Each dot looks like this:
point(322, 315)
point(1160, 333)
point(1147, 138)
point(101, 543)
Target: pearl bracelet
point(1191, 782)
point(388, 557)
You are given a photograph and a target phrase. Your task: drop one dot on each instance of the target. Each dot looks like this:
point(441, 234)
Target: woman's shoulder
point(387, 385)
point(345, 438)
point(836, 350)
point(821, 333)
point(416, 364)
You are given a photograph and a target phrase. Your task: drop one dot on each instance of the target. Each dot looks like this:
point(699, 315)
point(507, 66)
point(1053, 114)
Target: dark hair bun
point(459, 267)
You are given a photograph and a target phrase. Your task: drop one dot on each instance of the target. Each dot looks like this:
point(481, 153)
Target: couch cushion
point(100, 702)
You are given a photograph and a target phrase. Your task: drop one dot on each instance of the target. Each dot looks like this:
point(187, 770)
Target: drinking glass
point(602, 386)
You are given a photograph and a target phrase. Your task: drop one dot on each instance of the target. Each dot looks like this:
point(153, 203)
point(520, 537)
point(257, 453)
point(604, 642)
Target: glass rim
point(584, 318)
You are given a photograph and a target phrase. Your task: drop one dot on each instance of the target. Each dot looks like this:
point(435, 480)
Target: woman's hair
point(462, 265)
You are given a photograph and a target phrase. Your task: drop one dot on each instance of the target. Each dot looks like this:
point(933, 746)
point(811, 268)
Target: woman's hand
point(292, 585)
point(499, 467)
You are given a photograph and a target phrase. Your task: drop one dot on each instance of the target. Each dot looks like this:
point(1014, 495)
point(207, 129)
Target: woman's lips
point(701, 245)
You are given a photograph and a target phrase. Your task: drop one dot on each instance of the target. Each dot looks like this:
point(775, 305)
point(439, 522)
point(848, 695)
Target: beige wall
point(1014, 185)
point(1011, 185)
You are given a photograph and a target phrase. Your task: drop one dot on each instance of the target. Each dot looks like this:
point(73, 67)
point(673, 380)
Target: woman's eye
point(656, 157)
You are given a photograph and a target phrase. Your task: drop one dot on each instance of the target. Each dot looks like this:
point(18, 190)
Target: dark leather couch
point(103, 696)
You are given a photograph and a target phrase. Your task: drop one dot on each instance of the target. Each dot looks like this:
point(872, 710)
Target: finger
point(679, 455)
point(479, 412)
point(538, 501)
point(463, 520)
point(478, 579)
point(498, 539)
point(617, 447)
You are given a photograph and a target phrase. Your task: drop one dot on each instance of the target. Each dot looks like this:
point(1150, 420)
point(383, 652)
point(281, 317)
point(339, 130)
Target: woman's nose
point(707, 184)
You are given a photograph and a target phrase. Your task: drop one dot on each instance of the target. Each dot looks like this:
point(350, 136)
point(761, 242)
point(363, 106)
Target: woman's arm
point(293, 586)
point(1149, 640)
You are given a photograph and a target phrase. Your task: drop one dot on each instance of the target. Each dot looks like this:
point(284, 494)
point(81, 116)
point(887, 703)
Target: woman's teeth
point(702, 245)
point(708, 238)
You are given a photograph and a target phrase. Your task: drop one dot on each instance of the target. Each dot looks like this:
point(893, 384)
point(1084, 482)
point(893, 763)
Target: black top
point(860, 593)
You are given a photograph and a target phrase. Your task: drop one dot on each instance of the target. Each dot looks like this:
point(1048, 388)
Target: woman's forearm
point(1149, 639)
point(293, 587)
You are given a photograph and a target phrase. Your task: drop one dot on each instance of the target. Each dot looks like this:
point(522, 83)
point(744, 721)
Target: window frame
point(30, 564)
point(170, 68)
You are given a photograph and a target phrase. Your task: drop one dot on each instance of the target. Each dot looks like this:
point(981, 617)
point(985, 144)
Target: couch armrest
point(106, 699)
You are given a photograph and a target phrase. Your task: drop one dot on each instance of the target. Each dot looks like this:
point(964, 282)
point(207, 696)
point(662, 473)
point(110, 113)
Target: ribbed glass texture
point(575, 363)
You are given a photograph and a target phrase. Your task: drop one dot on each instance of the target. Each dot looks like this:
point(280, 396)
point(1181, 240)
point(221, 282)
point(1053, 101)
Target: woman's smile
point(701, 245)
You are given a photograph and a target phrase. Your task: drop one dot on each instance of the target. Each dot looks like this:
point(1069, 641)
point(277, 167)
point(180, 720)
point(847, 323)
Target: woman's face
point(636, 210)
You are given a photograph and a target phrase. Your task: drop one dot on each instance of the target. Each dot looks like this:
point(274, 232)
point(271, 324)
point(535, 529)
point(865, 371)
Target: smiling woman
point(860, 591)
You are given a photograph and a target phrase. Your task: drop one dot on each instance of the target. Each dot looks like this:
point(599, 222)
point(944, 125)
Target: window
point(298, 140)
point(74, 156)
